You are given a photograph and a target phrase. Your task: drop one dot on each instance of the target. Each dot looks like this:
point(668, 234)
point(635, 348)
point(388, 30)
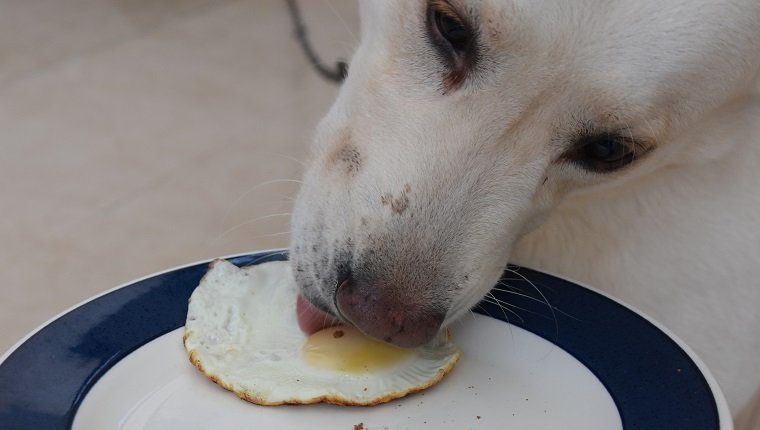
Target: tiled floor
point(138, 135)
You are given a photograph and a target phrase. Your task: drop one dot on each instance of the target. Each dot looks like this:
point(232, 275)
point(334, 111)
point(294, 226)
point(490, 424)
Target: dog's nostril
point(380, 314)
point(344, 277)
point(342, 284)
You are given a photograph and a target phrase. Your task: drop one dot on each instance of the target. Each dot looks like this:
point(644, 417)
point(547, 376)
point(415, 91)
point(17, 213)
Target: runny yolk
point(346, 349)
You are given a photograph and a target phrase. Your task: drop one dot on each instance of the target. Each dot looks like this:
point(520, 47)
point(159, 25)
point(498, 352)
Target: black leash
point(341, 67)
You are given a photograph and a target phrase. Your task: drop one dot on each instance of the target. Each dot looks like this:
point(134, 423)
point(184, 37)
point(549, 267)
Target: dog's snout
point(384, 316)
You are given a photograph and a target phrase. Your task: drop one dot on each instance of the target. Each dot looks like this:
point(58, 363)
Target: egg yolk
point(346, 349)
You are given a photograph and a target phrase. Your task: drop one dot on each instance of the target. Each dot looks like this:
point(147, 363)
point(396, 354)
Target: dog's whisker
point(502, 290)
point(537, 300)
point(245, 194)
point(551, 308)
point(324, 319)
point(632, 139)
point(506, 318)
point(511, 305)
point(651, 129)
point(248, 222)
point(472, 314)
point(505, 279)
point(343, 21)
point(503, 283)
point(277, 181)
point(287, 157)
point(480, 306)
point(567, 314)
point(281, 233)
point(503, 309)
point(490, 296)
point(268, 255)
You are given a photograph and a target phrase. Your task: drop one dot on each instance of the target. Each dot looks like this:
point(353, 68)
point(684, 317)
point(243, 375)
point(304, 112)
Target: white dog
point(614, 142)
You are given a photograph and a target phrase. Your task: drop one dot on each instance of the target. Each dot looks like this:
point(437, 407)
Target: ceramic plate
point(583, 362)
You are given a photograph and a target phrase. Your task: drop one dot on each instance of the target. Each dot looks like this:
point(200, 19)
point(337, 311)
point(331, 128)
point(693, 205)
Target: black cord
point(341, 68)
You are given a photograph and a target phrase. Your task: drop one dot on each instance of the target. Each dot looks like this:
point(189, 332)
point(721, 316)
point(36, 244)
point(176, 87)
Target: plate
point(555, 355)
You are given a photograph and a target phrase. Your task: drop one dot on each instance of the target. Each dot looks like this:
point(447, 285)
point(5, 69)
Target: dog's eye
point(603, 152)
point(454, 40)
point(608, 150)
point(451, 29)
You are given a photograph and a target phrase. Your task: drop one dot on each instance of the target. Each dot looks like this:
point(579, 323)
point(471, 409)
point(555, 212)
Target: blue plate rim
point(722, 415)
point(127, 284)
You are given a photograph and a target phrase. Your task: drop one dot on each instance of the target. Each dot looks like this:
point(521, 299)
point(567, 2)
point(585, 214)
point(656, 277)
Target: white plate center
point(507, 378)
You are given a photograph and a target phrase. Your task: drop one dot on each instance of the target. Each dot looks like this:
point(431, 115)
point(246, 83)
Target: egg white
point(242, 332)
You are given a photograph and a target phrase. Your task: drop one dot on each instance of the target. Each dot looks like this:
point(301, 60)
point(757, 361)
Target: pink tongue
point(311, 319)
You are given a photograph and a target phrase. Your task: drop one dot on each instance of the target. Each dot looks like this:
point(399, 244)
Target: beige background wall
point(137, 135)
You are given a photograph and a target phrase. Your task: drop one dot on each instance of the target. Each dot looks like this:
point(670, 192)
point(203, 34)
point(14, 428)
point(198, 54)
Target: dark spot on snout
point(398, 204)
point(344, 154)
point(351, 158)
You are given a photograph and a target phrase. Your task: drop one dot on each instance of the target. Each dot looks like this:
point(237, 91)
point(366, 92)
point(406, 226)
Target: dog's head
point(462, 124)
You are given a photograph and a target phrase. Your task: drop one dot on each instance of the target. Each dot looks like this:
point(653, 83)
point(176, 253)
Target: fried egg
point(243, 333)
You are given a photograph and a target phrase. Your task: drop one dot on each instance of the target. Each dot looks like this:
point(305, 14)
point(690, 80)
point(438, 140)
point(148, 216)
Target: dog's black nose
point(381, 314)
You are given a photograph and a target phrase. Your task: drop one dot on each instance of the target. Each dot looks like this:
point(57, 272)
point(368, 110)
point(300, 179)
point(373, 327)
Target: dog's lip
point(310, 318)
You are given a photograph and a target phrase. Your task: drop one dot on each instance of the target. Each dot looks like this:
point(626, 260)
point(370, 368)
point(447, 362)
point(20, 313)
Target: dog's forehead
point(632, 58)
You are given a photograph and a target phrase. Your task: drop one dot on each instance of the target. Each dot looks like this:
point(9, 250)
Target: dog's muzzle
point(386, 317)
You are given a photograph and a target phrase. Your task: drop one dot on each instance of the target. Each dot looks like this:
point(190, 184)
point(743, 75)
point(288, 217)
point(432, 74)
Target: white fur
point(677, 234)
